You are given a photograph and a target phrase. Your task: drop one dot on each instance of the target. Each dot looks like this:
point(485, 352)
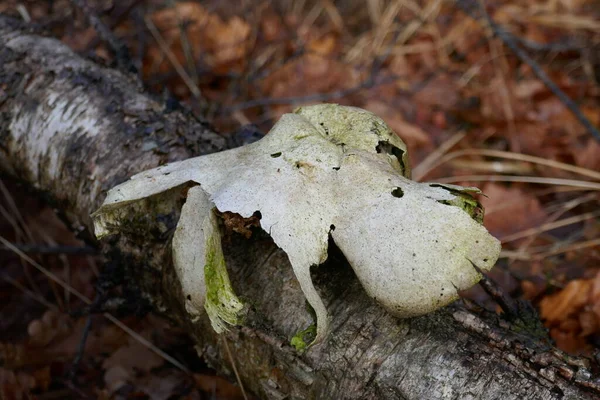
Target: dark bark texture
point(72, 129)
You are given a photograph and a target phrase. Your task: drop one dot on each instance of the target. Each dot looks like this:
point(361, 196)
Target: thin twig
point(87, 301)
point(495, 291)
point(164, 47)
point(37, 297)
point(523, 179)
point(80, 348)
point(554, 47)
point(235, 370)
point(188, 52)
point(471, 8)
point(58, 249)
point(117, 46)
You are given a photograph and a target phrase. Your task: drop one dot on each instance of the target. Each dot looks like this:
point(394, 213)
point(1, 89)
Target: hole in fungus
point(385, 147)
point(331, 228)
point(336, 168)
point(397, 192)
point(462, 200)
point(189, 297)
point(275, 155)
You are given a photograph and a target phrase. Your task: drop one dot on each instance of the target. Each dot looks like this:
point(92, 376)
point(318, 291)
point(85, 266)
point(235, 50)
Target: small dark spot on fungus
point(275, 155)
point(166, 173)
point(397, 192)
point(336, 168)
point(485, 260)
point(257, 214)
point(414, 254)
point(189, 297)
point(332, 228)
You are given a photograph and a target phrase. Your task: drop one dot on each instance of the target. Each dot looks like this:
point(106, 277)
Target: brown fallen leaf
point(134, 357)
point(217, 387)
point(510, 210)
point(569, 301)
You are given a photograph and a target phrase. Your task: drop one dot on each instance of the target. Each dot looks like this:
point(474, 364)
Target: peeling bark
point(72, 129)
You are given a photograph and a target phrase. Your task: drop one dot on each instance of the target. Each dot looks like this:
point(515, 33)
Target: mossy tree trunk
point(72, 129)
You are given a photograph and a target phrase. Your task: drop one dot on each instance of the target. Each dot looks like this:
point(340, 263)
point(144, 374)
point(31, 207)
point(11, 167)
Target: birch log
point(72, 129)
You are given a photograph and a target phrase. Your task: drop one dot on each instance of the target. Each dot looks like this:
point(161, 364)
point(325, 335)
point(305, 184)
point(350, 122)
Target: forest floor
point(505, 97)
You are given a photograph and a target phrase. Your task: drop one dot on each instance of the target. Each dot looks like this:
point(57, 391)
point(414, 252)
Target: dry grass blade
point(374, 8)
point(540, 255)
point(550, 225)
point(522, 179)
point(87, 301)
point(566, 21)
point(188, 52)
point(432, 159)
point(164, 47)
point(576, 246)
point(563, 208)
point(312, 15)
point(40, 299)
point(537, 256)
point(516, 255)
point(334, 15)
point(21, 229)
point(511, 156)
point(500, 67)
point(494, 167)
point(22, 226)
point(235, 370)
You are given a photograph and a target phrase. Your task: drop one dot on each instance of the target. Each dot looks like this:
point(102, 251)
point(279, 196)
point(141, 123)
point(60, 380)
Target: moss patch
point(222, 305)
point(304, 338)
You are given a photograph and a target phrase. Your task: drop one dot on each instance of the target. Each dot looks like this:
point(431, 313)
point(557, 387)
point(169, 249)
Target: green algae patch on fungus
point(200, 264)
point(222, 305)
point(304, 338)
point(464, 200)
point(412, 245)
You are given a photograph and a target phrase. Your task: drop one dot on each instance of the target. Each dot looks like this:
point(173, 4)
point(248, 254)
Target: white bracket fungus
point(323, 170)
